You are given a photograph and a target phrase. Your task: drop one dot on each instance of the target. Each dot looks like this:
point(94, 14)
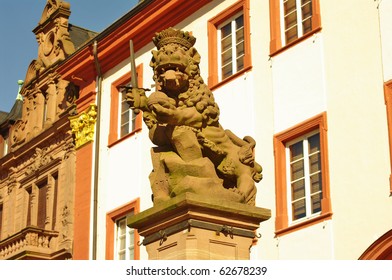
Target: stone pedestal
point(194, 227)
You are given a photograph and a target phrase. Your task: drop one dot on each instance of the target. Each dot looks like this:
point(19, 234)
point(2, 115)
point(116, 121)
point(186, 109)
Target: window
point(125, 240)
point(45, 110)
point(1, 219)
point(41, 199)
point(5, 144)
point(55, 184)
point(302, 177)
point(229, 43)
point(42, 193)
point(231, 46)
point(292, 20)
point(304, 173)
point(121, 241)
point(123, 121)
point(127, 116)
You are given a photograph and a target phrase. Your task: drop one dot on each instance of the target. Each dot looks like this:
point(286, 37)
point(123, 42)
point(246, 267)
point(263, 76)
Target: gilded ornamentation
point(82, 126)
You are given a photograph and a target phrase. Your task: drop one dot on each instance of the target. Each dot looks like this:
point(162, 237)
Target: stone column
point(195, 227)
point(51, 102)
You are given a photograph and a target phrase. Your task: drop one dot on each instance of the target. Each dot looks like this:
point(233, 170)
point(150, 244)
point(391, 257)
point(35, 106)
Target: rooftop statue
point(193, 152)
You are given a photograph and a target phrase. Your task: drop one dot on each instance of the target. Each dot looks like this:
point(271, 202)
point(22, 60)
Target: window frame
point(213, 26)
point(304, 139)
point(125, 235)
point(115, 108)
point(1, 218)
point(277, 43)
point(283, 224)
point(388, 104)
point(111, 218)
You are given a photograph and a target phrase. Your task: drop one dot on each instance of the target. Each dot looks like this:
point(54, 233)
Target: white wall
point(298, 83)
point(357, 130)
point(339, 71)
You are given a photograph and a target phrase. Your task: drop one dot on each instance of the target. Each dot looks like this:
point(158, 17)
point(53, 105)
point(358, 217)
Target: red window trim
point(275, 28)
point(241, 5)
point(388, 104)
point(111, 218)
point(280, 140)
point(114, 107)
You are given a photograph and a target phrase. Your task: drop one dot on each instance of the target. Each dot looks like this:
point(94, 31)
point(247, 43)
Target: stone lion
point(193, 152)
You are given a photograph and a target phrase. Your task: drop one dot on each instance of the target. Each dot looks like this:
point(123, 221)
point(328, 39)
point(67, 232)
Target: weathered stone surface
point(194, 226)
point(195, 154)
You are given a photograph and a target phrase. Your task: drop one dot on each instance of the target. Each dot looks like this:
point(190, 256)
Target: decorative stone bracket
point(83, 125)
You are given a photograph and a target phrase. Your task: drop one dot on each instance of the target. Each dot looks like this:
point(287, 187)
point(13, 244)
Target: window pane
point(307, 25)
point(121, 256)
point(314, 143)
point(291, 34)
point(297, 170)
point(316, 203)
point(226, 43)
point(240, 47)
point(289, 6)
point(226, 30)
point(314, 163)
point(296, 151)
point(299, 209)
point(240, 63)
point(227, 57)
point(1, 218)
point(122, 242)
point(227, 71)
point(315, 183)
point(125, 239)
point(124, 129)
point(290, 20)
point(125, 117)
point(306, 9)
point(298, 190)
point(42, 193)
point(121, 226)
point(239, 22)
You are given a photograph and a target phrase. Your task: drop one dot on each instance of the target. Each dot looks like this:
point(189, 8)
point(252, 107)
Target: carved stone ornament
point(193, 152)
point(82, 126)
point(54, 43)
point(40, 158)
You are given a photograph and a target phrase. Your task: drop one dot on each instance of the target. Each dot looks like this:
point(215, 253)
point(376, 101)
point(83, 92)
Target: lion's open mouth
point(172, 75)
point(162, 68)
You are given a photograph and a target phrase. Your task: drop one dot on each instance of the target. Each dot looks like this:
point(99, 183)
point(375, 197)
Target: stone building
point(309, 80)
point(37, 164)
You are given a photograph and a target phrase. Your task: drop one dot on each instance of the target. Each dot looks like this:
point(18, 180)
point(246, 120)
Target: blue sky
point(18, 46)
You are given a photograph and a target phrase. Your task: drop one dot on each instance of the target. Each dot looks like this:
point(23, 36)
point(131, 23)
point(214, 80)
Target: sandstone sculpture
point(193, 152)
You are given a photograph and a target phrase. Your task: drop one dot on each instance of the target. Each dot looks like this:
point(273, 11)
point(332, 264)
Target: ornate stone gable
point(54, 42)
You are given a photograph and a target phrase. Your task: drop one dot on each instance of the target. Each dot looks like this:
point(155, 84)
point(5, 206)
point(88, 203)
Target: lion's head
point(176, 72)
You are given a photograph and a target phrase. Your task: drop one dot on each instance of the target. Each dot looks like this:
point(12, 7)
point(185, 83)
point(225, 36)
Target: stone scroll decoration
point(193, 152)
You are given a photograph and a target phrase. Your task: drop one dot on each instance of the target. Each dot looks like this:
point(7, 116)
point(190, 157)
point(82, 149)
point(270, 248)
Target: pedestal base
point(194, 227)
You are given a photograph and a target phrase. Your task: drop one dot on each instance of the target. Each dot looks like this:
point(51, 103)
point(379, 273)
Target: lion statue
point(193, 152)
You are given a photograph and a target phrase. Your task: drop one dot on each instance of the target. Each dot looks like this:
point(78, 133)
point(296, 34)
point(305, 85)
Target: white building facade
point(309, 81)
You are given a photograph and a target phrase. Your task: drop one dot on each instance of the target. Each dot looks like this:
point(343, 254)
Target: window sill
point(304, 224)
point(110, 145)
point(295, 42)
point(232, 77)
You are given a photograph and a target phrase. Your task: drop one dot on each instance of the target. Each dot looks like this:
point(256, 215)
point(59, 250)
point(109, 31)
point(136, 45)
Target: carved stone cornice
point(83, 125)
